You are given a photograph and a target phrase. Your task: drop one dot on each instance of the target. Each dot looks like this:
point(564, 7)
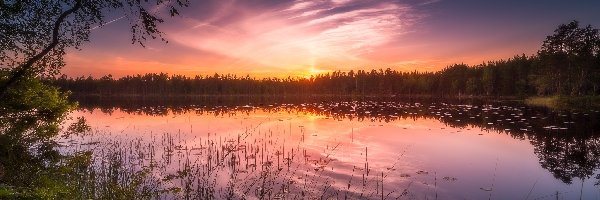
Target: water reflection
point(566, 144)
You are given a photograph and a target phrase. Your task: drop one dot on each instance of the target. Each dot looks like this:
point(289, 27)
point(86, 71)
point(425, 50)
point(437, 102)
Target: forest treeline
point(568, 63)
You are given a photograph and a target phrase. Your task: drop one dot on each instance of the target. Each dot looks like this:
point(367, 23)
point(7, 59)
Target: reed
point(251, 164)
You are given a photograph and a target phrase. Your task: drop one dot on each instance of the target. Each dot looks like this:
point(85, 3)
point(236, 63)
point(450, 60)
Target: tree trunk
point(20, 72)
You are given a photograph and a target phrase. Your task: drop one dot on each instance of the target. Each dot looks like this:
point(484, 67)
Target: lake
point(345, 148)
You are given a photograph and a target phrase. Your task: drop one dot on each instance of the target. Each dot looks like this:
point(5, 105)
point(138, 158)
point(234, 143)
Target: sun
point(312, 71)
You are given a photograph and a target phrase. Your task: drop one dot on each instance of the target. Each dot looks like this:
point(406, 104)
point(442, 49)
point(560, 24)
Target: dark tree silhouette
point(34, 34)
point(500, 78)
point(570, 61)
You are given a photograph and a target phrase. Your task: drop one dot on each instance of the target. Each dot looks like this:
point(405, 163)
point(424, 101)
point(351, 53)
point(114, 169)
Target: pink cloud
point(307, 34)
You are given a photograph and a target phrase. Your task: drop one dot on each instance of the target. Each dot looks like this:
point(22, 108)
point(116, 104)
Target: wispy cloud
point(300, 34)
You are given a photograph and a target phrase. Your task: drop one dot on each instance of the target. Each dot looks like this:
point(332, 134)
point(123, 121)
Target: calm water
point(352, 149)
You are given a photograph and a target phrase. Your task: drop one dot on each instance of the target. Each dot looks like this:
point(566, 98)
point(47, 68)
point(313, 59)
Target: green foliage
point(30, 117)
point(34, 36)
point(31, 168)
point(31, 112)
point(569, 61)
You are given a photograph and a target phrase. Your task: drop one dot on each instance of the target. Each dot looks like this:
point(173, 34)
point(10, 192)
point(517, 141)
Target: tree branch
point(21, 71)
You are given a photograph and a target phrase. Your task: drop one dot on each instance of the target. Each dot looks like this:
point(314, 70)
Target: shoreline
point(552, 102)
point(564, 102)
point(298, 95)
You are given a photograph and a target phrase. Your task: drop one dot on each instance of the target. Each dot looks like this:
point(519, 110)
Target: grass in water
point(565, 102)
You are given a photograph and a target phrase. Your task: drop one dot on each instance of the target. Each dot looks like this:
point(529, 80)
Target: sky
point(299, 38)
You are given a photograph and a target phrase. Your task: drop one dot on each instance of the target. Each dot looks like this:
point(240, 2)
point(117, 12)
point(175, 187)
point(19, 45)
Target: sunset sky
point(299, 38)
